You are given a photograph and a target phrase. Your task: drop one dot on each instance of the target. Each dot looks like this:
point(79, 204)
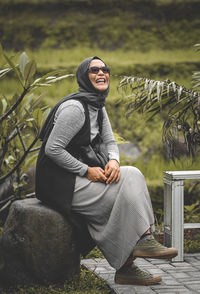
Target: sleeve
point(69, 119)
point(108, 137)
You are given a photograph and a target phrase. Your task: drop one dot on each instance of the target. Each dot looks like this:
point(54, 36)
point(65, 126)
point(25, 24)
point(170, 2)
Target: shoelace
point(140, 272)
point(155, 243)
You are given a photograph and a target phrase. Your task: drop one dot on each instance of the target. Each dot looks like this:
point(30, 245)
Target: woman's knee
point(134, 172)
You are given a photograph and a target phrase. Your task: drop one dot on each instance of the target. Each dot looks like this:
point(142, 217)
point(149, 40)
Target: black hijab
point(86, 89)
point(86, 93)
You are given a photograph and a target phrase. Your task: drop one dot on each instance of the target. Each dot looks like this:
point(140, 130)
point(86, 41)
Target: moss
point(86, 283)
point(95, 253)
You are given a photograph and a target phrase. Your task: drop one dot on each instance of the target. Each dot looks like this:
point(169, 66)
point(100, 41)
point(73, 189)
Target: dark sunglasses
point(95, 69)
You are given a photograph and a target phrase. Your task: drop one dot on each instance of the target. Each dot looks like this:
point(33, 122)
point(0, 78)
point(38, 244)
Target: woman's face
point(100, 80)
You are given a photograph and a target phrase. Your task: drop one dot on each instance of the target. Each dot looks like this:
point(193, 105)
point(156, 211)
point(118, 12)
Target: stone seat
point(36, 245)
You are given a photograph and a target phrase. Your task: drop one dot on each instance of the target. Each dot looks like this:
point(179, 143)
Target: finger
point(118, 177)
point(111, 178)
point(102, 176)
point(101, 170)
point(108, 170)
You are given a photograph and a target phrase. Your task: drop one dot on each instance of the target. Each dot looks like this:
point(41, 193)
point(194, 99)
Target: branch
point(14, 106)
point(5, 146)
point(6, 205)
point(21, 139)
point(35, 149)
point(7, 199)
point(2, 179)
point(4, 151)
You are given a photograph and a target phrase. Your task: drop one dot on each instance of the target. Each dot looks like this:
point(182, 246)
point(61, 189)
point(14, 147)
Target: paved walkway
point(177, 277)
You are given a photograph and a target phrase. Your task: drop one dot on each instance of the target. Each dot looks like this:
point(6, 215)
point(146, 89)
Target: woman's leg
point(117, 214)
point(119, 218)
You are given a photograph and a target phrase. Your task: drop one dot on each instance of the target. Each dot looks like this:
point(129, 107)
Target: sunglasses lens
point(95, 69)
point(105, 69)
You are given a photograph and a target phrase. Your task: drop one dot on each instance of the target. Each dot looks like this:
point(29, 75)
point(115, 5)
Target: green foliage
point(192, 213)
point(21, 118)
point(134, 128)
point(192, 245)
point(178, 106)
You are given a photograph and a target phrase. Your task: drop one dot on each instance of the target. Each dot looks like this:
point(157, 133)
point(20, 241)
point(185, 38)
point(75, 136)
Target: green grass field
point(150, 64)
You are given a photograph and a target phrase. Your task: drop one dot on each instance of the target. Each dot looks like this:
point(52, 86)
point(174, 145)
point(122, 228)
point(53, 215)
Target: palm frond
point(180, 108)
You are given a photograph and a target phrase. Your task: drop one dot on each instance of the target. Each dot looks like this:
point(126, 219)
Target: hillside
point(106, 24)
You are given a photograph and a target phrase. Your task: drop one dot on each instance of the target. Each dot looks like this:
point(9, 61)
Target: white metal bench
point(174, 209)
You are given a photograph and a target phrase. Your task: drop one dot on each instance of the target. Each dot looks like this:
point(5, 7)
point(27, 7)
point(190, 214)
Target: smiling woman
point(112, 203)
point(99, 75)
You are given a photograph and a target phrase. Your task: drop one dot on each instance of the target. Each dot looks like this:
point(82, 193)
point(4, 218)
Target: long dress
point(117, 214)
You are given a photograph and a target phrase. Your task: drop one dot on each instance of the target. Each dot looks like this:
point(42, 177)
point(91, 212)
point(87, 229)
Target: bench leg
point(174, 217)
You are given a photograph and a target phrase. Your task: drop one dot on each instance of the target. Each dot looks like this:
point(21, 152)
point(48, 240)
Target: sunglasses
point(95, 69)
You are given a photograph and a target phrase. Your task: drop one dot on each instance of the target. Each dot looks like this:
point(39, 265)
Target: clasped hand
point(110, 174)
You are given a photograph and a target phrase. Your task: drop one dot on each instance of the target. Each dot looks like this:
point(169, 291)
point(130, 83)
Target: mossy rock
point(37, 245)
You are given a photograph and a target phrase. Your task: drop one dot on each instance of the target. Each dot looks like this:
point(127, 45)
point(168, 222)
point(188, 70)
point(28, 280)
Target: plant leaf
point(4, 71)
point(29, 71)
point(9, 61)
point(37, 101)
point(23, 60)
point(5, 104)
point(37, 115)
point(44, 77)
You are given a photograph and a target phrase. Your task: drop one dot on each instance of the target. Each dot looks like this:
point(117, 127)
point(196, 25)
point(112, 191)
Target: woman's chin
point(101, 88)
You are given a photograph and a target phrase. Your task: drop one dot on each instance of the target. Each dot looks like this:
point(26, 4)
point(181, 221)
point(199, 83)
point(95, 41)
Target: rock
point(130, 150)
point(36, 245)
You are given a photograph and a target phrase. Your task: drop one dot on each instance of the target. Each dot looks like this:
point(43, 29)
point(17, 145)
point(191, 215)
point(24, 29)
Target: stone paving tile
point(181, 275)
point(165, 267)
point(177, 277)
point(181, 264)
point(194, 274)
point(155, 271)
point(174, 292)
point(181, 270)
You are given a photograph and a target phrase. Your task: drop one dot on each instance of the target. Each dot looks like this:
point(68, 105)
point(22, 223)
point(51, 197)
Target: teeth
point(100, 81)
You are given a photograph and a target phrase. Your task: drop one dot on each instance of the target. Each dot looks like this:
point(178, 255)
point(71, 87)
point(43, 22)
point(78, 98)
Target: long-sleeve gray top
point(69, 119)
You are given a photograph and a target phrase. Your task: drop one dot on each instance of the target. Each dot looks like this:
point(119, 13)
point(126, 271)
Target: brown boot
point(133, 275)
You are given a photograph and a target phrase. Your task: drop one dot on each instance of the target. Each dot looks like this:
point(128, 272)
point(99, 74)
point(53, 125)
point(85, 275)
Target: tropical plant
point(191, 212)
point(20, 121)
point(178, 106)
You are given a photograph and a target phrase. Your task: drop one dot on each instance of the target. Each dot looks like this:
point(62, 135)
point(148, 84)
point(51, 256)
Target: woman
point(112, 201)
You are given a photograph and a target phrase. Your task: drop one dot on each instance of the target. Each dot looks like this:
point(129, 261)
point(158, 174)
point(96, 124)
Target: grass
point(154, 64)
point(67, 58)
point(86, 283)
point(155, 166)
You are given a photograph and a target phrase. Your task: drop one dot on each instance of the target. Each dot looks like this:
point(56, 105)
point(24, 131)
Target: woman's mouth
point(101, 81)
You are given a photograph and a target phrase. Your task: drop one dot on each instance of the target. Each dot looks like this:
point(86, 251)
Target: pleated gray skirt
point(117, 214)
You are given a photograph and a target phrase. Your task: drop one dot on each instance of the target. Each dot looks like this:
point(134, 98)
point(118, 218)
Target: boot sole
point(122, 281)
point(168, 254)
